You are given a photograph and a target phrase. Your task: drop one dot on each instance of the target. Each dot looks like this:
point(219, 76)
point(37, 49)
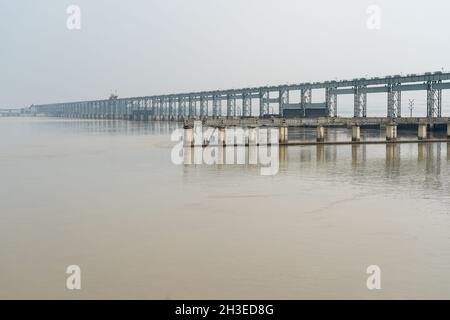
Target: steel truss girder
point(115, 107)
point(168, 106)
point(305, 98)
point(136, 104)
point(394, 103)
point(130, 106)
point(264, 102)
point(94, 109)
point(434, 101)
point(217, 106)
point(133, 105)
point(126, 105)
point(331, 102)
point(123, 107)
point(360, 102)
point(434, 81)
point(231, 105)
point(192, 106)
point(163, 106)
point(172, 107)
point(283, 99)
point(246, 104)
point(160, 107)
point(147, 104)
point(108, 107)
point(203, 106)
point(181, 106)
point(155, 107)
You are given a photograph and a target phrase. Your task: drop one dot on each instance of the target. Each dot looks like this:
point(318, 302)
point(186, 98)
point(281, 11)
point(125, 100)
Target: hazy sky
point(153, 47)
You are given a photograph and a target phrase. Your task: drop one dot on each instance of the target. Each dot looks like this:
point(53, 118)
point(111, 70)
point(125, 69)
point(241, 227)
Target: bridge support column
point(422, 132)
point(188, 136)
point(448, 130)
point(394, 102)
point(356, 133)
point(320, 130)
point(434, 101)
point(391, 132)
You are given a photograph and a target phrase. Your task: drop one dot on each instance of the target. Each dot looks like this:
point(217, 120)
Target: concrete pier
point(422, 131)
point(391, 132)
point(320, 131)
point(356, 133)
point(448, 130)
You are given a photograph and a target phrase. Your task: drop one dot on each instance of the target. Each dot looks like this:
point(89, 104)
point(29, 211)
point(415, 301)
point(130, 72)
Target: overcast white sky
point(145, 47)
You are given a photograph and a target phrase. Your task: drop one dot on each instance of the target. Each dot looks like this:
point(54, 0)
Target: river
point(105, 195)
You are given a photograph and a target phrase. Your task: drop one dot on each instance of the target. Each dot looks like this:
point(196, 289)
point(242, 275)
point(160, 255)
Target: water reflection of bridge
point(397, 160)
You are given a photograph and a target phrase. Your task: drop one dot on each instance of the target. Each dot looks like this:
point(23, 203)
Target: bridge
point(220, 108)
point(238, 102)
point(14, 112)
